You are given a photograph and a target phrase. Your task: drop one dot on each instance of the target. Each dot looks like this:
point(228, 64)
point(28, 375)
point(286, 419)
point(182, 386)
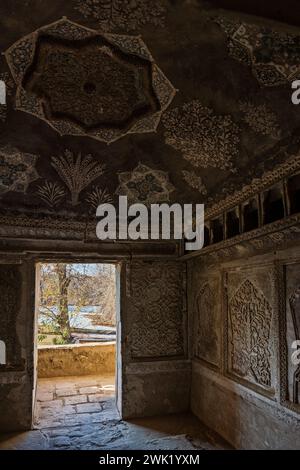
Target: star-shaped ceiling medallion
point(86, 83)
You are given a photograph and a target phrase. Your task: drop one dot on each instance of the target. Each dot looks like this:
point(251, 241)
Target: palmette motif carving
point(156, 310)
point(98, 196)
point(51, 193)
point(250, 316)
point(77, 172)
point(204, 138)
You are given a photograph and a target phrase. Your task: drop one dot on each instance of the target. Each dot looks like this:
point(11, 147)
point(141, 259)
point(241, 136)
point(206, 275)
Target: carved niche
point(82, 82)
point(290, 331)
point(249, 323)
point(10, 282)
point(156, 310)
point(207, 323)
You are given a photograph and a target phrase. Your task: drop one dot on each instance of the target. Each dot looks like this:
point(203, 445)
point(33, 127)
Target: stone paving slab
point(91, 421)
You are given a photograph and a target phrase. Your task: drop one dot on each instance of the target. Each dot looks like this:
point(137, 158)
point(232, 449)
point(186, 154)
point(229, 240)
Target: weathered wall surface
point(244, 317)
point(16, 330)
point(76, 359)
point(156, 372)
point(154, 369)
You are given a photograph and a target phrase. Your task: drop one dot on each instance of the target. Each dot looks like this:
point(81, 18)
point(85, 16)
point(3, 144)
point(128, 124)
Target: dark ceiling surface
point(180, 101)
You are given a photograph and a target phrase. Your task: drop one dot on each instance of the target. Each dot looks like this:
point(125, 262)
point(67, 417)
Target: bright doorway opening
point(76, 324)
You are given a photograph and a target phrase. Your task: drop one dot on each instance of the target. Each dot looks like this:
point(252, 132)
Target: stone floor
point(80, 413)
point(72, 401)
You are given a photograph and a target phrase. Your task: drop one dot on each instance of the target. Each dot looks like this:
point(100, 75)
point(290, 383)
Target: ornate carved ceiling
point(198, 118)
point(85, 83)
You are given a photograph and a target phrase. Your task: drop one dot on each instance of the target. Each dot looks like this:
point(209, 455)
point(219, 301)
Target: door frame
point(119, 283)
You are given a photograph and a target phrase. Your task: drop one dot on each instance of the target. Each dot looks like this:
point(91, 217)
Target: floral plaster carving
point(260, 119)
point(206, 324)
point(145, 185)
point(98, 196)
point(194, 181)
point(205, 139)
point(77, 172)
point(126, 15)
point(57, 69)
point(294, 302)
point(250, 316)
point(274, 57)
point(17, 170)
point(156, 310)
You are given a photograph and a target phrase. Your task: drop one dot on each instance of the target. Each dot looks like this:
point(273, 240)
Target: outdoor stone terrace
point(69, 401)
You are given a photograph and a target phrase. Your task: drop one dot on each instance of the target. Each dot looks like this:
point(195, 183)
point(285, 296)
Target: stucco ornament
point(250, 316)
point(17, 170)
point(123, 14)
point(204, 138)
point(145, 185)
point(261, 119)
point(273, 56)
point(9, 87)
point(194, 181)
point(83, 82)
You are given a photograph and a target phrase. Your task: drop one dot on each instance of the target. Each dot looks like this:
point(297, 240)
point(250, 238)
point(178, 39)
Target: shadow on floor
point(79, 413)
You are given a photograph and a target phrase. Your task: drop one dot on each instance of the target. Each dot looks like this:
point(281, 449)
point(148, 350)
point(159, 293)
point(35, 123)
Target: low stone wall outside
point(76, 359)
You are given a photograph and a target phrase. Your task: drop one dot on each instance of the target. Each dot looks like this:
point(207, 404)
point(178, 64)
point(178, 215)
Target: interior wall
point(17, 331)
point(242, 330)
point(154, 372)
point(156, 369)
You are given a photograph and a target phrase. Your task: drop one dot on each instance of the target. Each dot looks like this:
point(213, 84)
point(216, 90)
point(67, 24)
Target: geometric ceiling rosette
point(86, 83)
point(145, 185)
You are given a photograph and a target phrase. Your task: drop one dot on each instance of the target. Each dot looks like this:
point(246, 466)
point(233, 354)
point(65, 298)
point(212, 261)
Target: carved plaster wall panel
point(10, 281)
point(82, 82)
point(207, 320)
point(156, 309)
point(290, 331)
point(273, 56)
point(249, 330)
